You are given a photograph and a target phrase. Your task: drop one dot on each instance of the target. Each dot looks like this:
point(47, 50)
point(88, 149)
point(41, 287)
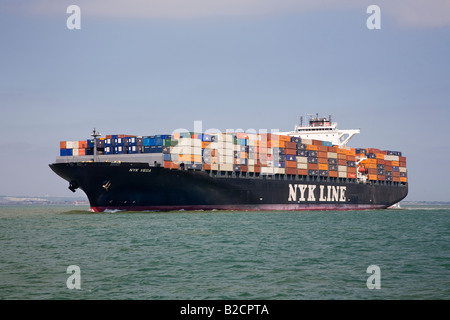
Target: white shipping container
point(302, 160)
point(226, 167)
point(75, 152)
point(391, 158)
point(279, 171)
point(227, 137)
point(214, 145)
point(342, 169)
point(302, 165)
point(332, 155)
point(342, 174)
point(266, 170)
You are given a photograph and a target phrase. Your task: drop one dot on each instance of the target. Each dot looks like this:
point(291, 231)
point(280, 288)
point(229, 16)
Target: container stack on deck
point(268, 154)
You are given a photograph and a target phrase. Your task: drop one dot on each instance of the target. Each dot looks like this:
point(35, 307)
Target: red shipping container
point(322, 154)
point(291, 164)
point(292, 152)
point(291, 171)
point(290, 145)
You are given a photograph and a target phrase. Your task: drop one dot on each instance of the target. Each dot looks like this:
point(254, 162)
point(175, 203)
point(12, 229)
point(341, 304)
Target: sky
point(150, 67)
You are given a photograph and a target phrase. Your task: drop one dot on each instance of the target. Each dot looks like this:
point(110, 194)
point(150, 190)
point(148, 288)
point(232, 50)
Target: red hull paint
point(265, 207)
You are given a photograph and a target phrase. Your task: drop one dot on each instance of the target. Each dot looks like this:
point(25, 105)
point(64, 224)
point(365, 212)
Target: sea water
point(67, 252)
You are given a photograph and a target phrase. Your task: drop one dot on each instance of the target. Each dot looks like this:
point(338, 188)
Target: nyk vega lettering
point(310, 192)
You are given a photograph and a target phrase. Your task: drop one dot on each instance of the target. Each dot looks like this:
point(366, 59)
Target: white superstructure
point(322, 129)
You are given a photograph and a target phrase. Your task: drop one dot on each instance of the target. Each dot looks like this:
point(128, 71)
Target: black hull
point(137, 186)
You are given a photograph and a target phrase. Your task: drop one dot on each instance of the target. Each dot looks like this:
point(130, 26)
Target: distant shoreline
point(28, 200)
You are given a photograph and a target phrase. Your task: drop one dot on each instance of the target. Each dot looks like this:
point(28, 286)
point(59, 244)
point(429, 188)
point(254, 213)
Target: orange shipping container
point(312, 147)
point(82, 144)
point(206, 144)
point(275, 144)
point(373, 150)
point(291, 171)
point(403, 179)
point(323, 148)
point(351, 175)
point(302, 172)
point(291, 164)
point(313, 166)
point(82, 152)
point(62, 145)
point(381, 178)
point(290, 145)
point(351, 169)
point(322, 160)
point(332, 149)
point(395, 163)
point(380, 156)
point(285, 138)
point(322, 154)
point(170, 165)
point(316, 142)
point(372, 177)
point(333, 174)
point(323, 166)
point(342, 156)
point(351, 158)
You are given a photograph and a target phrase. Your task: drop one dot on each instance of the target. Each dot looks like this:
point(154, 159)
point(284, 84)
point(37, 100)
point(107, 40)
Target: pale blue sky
point(149, 67)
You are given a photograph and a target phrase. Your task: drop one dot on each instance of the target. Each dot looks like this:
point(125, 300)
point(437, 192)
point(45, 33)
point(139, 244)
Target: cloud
point(412, 13)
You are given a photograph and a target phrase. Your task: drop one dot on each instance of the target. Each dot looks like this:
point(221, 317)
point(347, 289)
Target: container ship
point(309, 168)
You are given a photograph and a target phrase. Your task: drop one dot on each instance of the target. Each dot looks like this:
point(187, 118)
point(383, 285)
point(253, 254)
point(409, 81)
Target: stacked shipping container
point(268, 154)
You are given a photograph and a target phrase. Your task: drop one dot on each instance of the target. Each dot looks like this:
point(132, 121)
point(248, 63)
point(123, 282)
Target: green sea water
point(224, 255)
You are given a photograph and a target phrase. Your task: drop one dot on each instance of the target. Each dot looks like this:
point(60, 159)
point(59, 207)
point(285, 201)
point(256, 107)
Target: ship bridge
point(322, 129)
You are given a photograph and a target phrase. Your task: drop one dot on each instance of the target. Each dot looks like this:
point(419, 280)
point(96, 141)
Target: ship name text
point(311, 193)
